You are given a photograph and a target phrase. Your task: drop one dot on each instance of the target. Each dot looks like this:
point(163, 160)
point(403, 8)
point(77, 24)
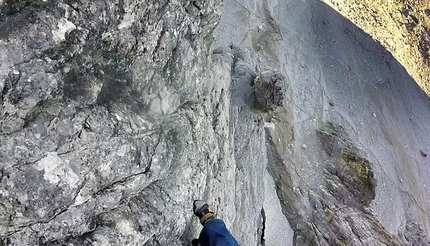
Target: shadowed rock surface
point(115, 116)
point(102, 103)
point(268, 90)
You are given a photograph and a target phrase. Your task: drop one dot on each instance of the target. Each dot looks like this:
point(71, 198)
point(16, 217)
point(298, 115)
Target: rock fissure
point(115, 116)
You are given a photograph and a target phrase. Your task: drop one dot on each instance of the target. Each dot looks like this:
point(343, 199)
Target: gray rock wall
point(115, 116)
point(119, 119)
point(105, 137)
point(337, 75)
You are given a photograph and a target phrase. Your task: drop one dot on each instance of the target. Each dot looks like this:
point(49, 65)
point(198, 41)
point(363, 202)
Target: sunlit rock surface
point(402, 26)
point(294, 124)
point(368, 184)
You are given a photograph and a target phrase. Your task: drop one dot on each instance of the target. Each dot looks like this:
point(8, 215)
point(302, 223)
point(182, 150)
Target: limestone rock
point(354, 171)
point(116, 115)
point(415, 235)
point(344, 150)
point(99, 115)
point(268, 90)
point(403, 27)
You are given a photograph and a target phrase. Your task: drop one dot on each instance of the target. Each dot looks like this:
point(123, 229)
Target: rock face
point(103, 120)
point(268, 90)
point(345, 149)
point(402, 26)
point(116, 115)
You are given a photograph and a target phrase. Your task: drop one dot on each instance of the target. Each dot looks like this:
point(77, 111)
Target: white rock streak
point(64, 26)
point(56, 171)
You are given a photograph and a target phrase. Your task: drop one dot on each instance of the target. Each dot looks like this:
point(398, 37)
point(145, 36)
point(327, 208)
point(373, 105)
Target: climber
point(214, 232)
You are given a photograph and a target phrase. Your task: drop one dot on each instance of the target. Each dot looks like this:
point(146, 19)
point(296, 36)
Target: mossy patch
point(357, 175)
point(383, 234)
point(268, 91)
point(361, 168)
point(354, 171)
point(329, 134)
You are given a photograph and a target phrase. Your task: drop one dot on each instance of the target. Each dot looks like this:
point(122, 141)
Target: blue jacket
point(215, 233)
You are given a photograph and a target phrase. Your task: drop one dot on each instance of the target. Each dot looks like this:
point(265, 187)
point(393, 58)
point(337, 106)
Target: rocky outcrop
point(337, 212)
point(297, 128)
point(415, 235)
point(100, 116)
point(268, 90)
point(403, 27)
point(344, 163)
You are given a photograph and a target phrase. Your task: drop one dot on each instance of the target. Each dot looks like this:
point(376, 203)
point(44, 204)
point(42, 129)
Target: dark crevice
point(138, 155)
point(72, 239)
point(32, 115)
point(57, 212)
point(424, 45)
point(10, 83)
point(157, 46)
point(70, 4)
point(197, 5)
point(127, 178)
point(263, 227)
point(148, 168)
point(120, 181)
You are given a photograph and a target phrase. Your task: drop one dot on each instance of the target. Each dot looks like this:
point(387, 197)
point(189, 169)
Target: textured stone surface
point(361, 187)
point(102, 120)
point(115, 116)
point(402, 26)
point(268, 90)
